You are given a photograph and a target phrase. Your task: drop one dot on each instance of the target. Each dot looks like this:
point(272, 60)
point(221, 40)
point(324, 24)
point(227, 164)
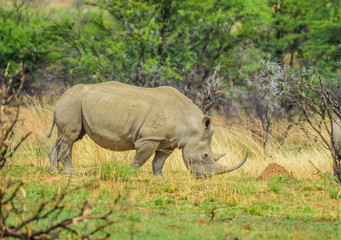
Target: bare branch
point(324, 174)
point(27, 226)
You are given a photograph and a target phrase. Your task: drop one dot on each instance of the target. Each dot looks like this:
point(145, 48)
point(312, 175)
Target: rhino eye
point(206, 155)
point(207, 123)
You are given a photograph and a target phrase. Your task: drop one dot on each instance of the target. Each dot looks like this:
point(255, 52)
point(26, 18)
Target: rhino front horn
point(221, 169)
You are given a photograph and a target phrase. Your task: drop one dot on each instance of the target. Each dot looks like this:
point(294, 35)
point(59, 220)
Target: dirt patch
point(246, 227)
point(273, 169)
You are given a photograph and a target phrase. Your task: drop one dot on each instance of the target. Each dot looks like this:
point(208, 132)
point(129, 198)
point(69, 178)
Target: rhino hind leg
point(159, 161)
point(143, 152)
point(53, 155)
point(337, 165)
point(66, 157)
point(61, 150)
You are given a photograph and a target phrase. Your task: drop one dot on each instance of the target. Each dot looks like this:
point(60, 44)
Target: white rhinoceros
point(121, 117)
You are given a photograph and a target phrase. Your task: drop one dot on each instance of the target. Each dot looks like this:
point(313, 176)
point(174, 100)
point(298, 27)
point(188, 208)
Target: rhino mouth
point(214, 168)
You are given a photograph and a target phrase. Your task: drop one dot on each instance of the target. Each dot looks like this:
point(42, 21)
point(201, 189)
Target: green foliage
point(22, 36)
point(148, 43)
point(305, 33)
point(177, 43)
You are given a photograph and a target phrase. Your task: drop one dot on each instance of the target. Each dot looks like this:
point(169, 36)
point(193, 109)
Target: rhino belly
point(109, 138)
point(114, 144)
point(109, 133)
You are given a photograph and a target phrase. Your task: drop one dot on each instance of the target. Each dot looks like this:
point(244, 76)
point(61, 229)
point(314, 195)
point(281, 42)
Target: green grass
point(179, 207)
point(118, 171)
point(230, 206)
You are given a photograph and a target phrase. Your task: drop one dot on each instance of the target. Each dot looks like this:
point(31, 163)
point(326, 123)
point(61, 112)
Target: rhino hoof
point(70, 171)
point(54, 170)
point(159, 175)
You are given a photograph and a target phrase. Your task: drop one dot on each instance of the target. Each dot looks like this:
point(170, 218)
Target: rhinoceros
point(121, 117)
point(337, 144)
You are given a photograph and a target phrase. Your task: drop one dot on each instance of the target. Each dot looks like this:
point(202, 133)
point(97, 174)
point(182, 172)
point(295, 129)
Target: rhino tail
point(53, 123)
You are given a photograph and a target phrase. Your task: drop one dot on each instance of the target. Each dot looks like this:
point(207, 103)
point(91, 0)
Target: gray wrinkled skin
point(337, 143)
point(121, 117)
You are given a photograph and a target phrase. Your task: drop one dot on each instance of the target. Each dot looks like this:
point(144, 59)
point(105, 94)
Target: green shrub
point(23, 37)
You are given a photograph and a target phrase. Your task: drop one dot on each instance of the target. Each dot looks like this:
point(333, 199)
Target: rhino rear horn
point(217, 156)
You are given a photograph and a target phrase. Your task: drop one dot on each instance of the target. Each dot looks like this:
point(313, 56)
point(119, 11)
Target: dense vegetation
point(179, 43)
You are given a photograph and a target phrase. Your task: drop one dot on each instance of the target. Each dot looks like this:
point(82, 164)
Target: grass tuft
point(117, 171)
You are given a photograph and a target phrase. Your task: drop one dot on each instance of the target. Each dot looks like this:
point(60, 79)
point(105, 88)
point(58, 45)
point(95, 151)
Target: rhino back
point(116, 115)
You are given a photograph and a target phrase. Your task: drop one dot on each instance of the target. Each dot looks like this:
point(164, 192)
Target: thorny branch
point(304, 89)
point(9, 115)
point(47, 209)
point(12, 203)
point(324, 174)
point(210, 91)
point(265, 104)
point(315, 100)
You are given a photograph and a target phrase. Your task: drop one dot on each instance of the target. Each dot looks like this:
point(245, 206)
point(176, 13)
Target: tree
point(313, 99)
point(22, 38)
point(318, 105)
point(322, 48)
point(305, 33)
point(152, 43)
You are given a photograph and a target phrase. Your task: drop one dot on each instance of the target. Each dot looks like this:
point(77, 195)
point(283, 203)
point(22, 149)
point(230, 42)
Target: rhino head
point(197, 153)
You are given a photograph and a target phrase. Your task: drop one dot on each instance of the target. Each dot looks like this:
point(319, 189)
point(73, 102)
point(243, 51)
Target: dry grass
point(300, 146)
point(238, 198)
point(59, 3)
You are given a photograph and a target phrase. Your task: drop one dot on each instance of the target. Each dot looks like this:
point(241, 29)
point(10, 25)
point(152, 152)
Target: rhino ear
point(206, 121)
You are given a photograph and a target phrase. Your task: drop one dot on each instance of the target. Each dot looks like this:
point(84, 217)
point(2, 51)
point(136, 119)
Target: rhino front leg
point(66, 157)
point(143, 152)
point(159, 161)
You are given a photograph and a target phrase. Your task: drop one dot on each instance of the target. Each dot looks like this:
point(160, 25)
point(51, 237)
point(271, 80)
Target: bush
point(23, 38)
